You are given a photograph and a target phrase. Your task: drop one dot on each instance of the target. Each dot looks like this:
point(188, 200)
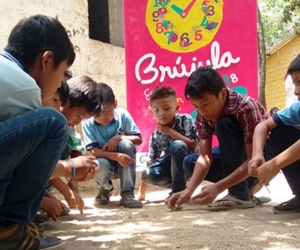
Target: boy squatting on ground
point(174, 138)
point(32, 138)
point(111, 137)
point(232, 117)
point(285, 144)
point(82, 103)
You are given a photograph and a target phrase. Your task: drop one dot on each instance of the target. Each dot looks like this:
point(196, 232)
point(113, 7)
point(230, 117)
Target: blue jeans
point(281, 138)
point(167, 171)
point(227, 157)
point(109, 170)
point(30, 146)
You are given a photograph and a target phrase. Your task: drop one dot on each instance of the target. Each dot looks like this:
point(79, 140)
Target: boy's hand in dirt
point(207, 195)
point(176, 200)
point(74, 200)
point(53, 207)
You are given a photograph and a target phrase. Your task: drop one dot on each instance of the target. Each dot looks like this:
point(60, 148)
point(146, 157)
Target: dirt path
point(155, 227)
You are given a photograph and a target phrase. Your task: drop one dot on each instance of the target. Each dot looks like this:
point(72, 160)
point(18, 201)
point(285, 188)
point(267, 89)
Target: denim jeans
point(167, 171)
point(109, 170)
point(281, 138)
point(227, 157)
point(30, 146)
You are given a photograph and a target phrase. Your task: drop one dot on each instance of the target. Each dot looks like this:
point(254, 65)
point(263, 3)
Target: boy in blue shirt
point(285, 143)
point(174, 138)
point(111, 137)
point(31, 137)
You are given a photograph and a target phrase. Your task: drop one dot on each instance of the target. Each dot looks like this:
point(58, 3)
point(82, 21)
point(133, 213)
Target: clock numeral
point(185, 40)
point(172, 36)
point(155, 14)
point(209, 11)
point(159, 28)
point(198, 35)
point(161, 3)
point(204, 22)
point(234, 78)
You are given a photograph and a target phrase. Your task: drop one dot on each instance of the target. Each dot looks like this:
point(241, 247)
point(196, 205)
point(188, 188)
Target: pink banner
point(166, 40)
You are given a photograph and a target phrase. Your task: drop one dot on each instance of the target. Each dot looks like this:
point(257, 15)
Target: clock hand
point(177, 9)
point(187, 9)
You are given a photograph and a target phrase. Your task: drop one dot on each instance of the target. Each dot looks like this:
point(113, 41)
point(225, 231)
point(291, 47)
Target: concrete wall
point(103, 62)
point(116, 22)
point(277, 65)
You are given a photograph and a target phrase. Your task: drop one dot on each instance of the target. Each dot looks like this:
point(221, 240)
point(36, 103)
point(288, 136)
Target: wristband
point(74, 171)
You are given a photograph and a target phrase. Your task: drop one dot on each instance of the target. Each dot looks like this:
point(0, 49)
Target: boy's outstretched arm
point(210, 192)
point(73, 199)
point(201, 169)
point(85, 168)
point(266, 171)
point(261, 132)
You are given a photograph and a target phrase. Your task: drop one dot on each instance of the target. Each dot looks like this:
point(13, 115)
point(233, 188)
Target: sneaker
point(291, 206)
point(102, 198)
point(31, 238)
point(129, 201)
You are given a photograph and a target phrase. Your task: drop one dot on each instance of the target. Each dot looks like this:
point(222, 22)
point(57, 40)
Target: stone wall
point(103, 62)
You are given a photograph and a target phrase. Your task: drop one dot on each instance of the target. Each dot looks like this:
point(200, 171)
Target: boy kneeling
point(174, 138)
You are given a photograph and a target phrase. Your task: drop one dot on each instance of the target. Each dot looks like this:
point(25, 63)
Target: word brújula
point(151, 73)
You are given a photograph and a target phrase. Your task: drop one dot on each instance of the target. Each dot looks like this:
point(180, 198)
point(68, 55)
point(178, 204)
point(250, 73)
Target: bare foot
point(140, 197)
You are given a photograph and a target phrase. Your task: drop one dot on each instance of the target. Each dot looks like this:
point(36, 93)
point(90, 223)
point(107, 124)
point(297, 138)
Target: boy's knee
point(177, 145)
point(103, 164)
point(188, 165)
point(226, 124)
point(145, 175)
point(126, 146)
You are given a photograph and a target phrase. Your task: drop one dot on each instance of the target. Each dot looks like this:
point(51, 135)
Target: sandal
point(229, 202)
point(291, 206)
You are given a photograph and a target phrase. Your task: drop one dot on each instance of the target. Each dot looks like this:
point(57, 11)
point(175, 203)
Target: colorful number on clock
point(159, 28)
point(185, 40)
point(198, 35)
point(173, 37)
point(208, 10)
point(161, 3)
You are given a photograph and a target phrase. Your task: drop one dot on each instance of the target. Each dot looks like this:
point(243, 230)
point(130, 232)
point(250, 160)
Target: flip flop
point(261, 200)
point(238, 204)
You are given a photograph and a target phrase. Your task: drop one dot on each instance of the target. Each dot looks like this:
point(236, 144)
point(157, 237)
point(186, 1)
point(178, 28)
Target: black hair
point(294, 65)
point(38, 34)
point(86, 93)
point(162, 92)
point(63, 92)
point(203, 80)
point(273, 110)
point(107, 93)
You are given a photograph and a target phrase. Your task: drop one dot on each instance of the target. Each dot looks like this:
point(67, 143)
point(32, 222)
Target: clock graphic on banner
point(183, 25)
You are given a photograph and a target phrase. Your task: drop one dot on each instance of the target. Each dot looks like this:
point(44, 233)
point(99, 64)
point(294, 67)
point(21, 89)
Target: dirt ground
point(156, 227)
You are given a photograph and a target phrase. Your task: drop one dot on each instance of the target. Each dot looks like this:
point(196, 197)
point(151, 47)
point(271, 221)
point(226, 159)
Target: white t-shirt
point(19, 92)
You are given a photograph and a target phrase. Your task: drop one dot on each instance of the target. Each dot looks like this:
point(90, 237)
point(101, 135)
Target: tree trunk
point(261, 62)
